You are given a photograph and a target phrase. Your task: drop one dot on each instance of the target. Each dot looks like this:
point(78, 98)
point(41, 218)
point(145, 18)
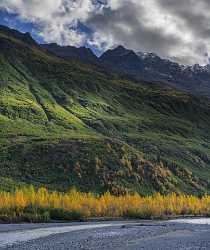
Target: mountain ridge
point(71, 52)
point(66, 124)
point(138, 66)
point(149, 67)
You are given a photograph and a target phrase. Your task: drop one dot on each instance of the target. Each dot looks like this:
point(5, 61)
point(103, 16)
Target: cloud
point(173, 29)
point(57, 19)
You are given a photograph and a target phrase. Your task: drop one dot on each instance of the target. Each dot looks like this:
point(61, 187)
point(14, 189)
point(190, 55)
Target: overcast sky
point(176, 29)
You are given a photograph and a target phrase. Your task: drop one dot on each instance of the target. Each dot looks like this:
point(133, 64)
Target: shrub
point(28, 204)
point(61, 214)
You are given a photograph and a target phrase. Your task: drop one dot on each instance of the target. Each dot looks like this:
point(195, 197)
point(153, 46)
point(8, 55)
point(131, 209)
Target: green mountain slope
point(66, 124)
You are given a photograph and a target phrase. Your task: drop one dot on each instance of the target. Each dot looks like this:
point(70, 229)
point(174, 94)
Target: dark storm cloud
point(195, 17)
point(124, 26)
point(178, 29)
point(193, 13)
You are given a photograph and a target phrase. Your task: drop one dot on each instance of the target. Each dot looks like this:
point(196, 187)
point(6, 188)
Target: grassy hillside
point(66, 124)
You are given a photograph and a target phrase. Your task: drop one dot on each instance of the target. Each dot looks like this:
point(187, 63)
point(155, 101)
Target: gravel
point(168, 235)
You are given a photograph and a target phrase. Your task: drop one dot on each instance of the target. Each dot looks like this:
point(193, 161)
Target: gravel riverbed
point(176, 234)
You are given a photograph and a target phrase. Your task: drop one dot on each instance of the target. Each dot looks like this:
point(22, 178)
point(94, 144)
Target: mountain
point(140, 66)
point(150, 67)
point(123, 61)
point(23, 37)
point(65, 124)
point(70, 52)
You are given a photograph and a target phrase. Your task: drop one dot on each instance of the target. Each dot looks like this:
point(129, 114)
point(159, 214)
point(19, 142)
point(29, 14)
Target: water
point(198, 221)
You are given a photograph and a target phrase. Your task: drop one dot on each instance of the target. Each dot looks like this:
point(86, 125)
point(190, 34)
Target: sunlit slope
point(66, 124)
